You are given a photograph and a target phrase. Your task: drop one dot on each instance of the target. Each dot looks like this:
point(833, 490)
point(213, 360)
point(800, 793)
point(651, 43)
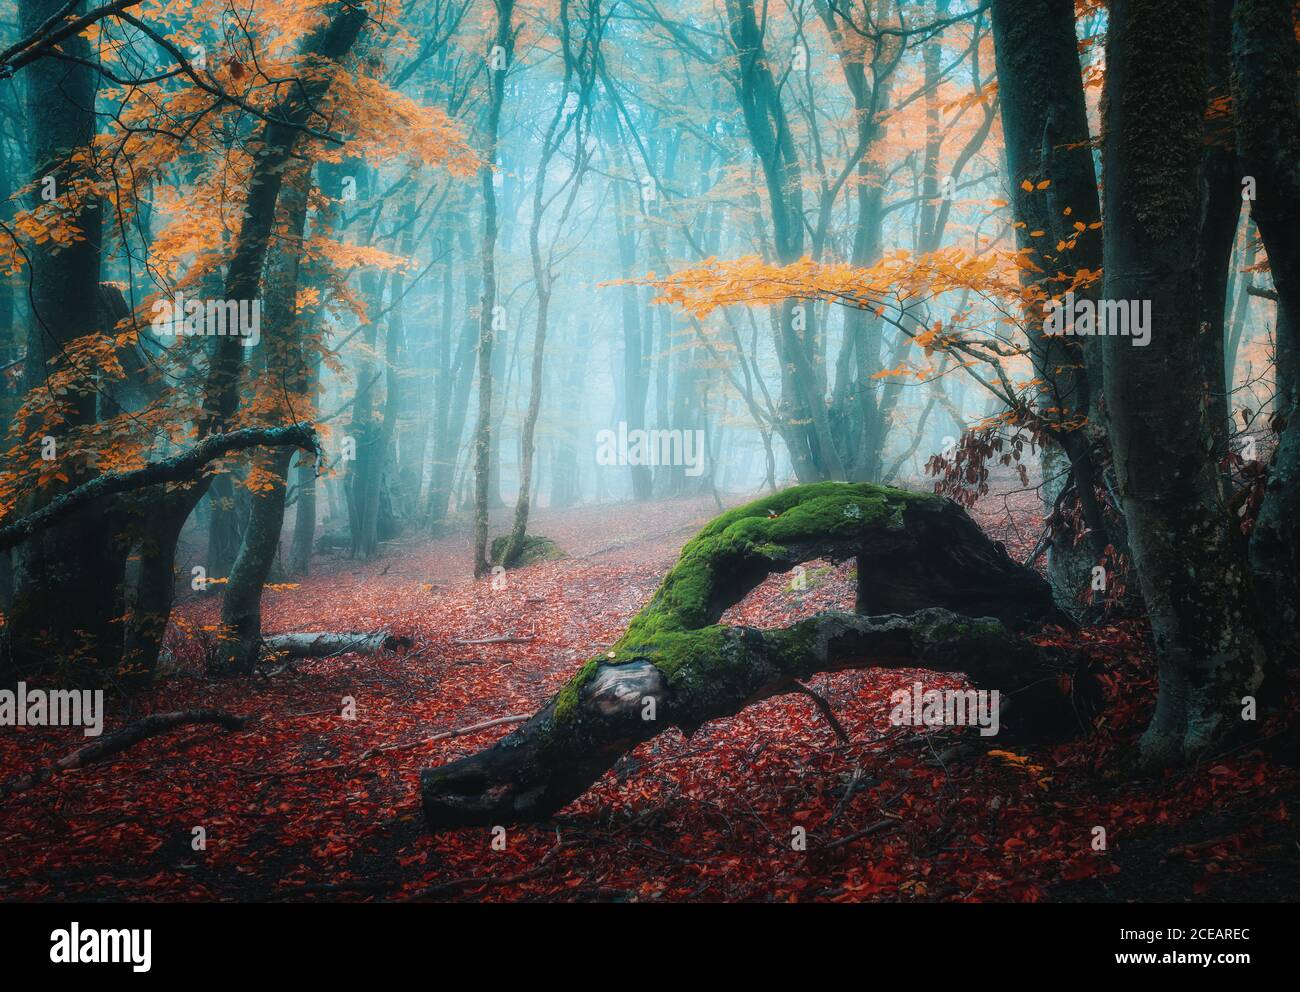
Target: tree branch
point(111, 744)
point(182, 466)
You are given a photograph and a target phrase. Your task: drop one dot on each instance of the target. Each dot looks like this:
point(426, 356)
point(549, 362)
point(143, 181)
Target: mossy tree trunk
point(675, 666)
point(1186, 548)
point(283, 362)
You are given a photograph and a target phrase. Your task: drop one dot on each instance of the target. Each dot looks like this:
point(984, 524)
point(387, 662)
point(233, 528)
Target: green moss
point(821, 509)
point(740, 541)
point(536, 548)
point(730, 555)
point(566, 703)
point(676, 651)
point(962, 628)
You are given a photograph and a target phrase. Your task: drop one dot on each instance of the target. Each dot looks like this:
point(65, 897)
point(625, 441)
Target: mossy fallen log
point(675, 666)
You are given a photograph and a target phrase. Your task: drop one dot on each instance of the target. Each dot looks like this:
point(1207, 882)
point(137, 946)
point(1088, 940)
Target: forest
point(626, 451)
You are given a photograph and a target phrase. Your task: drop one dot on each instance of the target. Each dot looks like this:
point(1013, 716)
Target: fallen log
point(326, 644)
point(120, 740)
point(675, 666)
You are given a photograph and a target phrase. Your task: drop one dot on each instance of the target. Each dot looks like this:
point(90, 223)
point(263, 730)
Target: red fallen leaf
point(729, 790)
point(1084, 868)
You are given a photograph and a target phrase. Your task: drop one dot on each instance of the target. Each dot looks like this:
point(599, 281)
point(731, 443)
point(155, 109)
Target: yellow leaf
point(1010, 756)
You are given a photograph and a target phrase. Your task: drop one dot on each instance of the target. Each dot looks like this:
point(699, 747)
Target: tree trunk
point(806, 424)
point(223, 525)
point(362, 483)
point(1045, 123)
point(67, 582)
point(1189, 565)
point(1264, 61)
point(674, 666)
point(326, 644)
point(305, 508)
point(453, 400)
point(279, 140)
point(286, 365)
point(565, 489)
point(374, 501)
point(241, 607)
point(502, 49)
point(635, 378)
point(1222, 214)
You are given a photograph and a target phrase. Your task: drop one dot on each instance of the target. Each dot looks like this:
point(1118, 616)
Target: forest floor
point(301, 806)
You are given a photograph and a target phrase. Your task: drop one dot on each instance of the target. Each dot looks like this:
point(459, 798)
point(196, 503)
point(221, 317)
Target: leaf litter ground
point(305, 805)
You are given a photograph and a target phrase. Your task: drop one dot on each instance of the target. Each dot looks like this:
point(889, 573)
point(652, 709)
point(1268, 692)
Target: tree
point(1192, 574)
point(70, 565)
point(284, 362)
point(106, 370)
point(1058, 219)
point(1264, 62)
point(564, 119)
point(500, 53)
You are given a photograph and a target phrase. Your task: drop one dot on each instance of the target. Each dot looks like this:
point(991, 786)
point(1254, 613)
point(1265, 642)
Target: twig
point(120, 740)
point(849, 791)
point(825, 709)
point(379, 749)
point(878, 827)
